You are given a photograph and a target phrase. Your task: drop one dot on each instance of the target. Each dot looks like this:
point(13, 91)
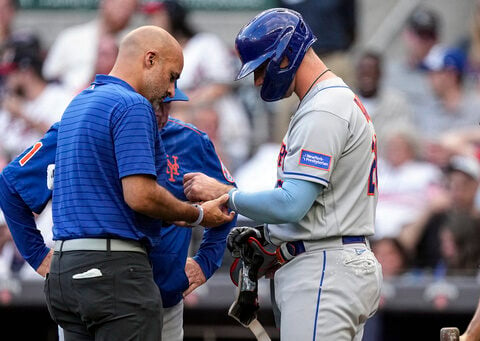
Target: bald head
point(150, 38)
point(150, 60)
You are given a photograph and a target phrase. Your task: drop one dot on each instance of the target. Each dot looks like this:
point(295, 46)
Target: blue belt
point(296, 248)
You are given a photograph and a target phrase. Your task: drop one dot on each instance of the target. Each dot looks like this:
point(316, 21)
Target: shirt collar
point(106, 79)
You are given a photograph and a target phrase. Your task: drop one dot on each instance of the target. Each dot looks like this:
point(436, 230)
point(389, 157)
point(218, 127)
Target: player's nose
point(171, 90)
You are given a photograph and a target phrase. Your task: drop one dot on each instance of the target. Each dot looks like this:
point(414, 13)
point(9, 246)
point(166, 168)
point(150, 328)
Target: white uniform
point(328, 292)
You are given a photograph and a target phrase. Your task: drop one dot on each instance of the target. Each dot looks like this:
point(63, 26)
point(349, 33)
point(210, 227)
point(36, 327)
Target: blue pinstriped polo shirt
point(108, 132)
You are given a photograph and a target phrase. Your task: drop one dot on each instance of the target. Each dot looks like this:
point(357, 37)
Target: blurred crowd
point(424, 105)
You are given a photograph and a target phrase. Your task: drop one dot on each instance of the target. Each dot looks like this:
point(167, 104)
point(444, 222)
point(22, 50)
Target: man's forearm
point(144, 195)
point(163, 205)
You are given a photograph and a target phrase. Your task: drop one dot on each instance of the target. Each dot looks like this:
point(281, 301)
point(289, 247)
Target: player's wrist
point(232, 193)
point(200, 215)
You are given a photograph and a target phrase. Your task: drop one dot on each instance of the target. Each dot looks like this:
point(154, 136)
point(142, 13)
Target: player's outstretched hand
point(215, 212)
point(195, 276)
point(200, 187)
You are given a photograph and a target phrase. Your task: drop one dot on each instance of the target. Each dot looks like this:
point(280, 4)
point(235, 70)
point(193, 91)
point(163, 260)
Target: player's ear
point(150, 59)
point(285, 62)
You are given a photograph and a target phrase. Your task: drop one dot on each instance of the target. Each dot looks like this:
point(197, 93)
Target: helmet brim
point(252, 65)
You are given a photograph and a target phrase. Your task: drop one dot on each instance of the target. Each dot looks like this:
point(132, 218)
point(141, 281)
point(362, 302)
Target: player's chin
point(289, 92)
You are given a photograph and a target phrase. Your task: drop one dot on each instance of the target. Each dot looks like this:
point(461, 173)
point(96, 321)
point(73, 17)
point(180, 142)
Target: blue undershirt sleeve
point(286, 204)
point(210, 254)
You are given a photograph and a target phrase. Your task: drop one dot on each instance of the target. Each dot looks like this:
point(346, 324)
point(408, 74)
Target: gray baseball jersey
point(331, 141)
point(329, 291)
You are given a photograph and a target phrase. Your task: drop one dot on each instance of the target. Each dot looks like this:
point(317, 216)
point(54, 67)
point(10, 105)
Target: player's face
point(161, 112)
point(259, 74)
point(160, 80)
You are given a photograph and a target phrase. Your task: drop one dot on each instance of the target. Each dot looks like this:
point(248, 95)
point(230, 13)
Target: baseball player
point(26, 187)
point(323, 208)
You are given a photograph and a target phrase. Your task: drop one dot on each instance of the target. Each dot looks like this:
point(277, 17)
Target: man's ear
point(150, 59)
point(285, 63)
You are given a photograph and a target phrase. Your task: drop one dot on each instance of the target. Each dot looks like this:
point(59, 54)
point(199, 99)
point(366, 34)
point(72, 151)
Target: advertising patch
point(315, 160)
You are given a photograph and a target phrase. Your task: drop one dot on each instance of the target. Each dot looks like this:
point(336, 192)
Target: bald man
point(107, 199)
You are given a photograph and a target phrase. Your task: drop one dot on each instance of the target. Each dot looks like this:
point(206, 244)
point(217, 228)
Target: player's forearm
point(145, 196)
point(288, 204)
point(163, 205)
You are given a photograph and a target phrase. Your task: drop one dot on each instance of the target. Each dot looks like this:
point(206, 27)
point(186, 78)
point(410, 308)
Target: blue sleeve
point(210, 254)
point(22, 225)
point(135, 133)
point(27, 173)
point(286, 204)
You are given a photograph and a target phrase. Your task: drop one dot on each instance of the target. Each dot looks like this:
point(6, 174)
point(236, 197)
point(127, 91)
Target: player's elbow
point(137, 193)
point(137, 203)
point(290, 213)
point(293, 215)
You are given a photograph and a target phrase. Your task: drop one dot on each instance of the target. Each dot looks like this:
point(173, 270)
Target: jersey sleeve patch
point(315, 160)
point(227, 174)
point(30, 154)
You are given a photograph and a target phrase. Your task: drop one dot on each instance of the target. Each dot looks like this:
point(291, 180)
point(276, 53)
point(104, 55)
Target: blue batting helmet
point(272, 35)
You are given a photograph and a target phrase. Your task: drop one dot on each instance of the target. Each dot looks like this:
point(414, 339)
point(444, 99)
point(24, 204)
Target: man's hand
point(44, 267)
point(194, 274)
point(200, 187)
point(215, 212)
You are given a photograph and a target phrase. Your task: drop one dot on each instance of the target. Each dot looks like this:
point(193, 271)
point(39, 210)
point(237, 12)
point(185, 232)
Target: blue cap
point(179, 96)
point(446, 59)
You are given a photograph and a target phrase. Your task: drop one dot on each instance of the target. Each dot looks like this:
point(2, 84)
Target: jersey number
point(373, 176)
